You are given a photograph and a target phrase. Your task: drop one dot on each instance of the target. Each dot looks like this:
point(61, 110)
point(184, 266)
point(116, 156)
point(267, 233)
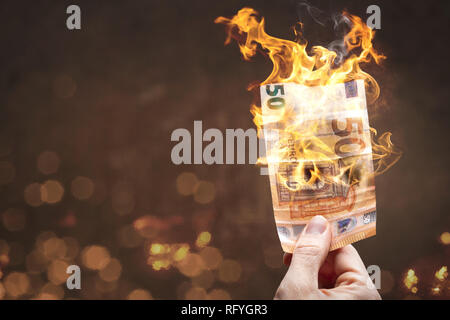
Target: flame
point(293, 64)
point(411, 281)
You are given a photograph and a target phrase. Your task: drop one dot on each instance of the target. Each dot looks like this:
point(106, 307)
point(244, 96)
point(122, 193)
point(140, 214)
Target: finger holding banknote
point(316, 273)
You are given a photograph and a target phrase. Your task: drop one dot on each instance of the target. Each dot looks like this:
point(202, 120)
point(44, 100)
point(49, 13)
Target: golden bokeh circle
point(205, 192)
point(195, 293)
point(139, 294)
point(112, 271)
point(218, 294)
point(56, 272)
point(445, 238)
point(52, 191)
point(212, 258)
point(17, 284)
point(192, 265)
point(95, 257)
point(14, 219)
point(82, 188)
point(186, 183)
point(32, 194)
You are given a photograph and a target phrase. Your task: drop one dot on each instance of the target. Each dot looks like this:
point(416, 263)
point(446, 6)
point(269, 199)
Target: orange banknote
point(319, 157)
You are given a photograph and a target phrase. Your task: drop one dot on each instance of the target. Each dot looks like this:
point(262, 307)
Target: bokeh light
point(205, 192)
point(57, 272)
point(50, 291)
point(441, 274)
point(445, 238)
point(186, 183)
point(112, 271)
point(181, 252)
point(52, 191)
point(211, 257)
point(218, 294)
point(14, 219)
point(95, 257)
point(48, 162)
point(54, 248)
point(72, 248)
point(191, 266)
point(139, 294)
point(410, 280)
point(195, 293)
point(32, 194)
point(203, 239)
point(82, 188)
point(36, 262)
point(17, 284)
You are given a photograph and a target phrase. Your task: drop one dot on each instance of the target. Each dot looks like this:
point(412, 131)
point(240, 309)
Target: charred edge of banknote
point(290, 190)
point(322, 197)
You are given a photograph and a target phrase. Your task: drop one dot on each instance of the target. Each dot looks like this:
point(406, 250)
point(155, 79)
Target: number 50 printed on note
point(319, 157)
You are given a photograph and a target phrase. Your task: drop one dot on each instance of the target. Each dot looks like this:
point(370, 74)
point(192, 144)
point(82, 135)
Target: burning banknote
point(321, 153)
point(319, 157)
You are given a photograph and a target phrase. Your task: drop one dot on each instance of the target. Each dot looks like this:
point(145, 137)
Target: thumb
point(310, 252)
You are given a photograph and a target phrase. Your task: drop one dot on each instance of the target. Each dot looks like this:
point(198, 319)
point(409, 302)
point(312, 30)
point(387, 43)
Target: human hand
point(315, 273)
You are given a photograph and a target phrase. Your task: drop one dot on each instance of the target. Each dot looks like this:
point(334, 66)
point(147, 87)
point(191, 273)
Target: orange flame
point(293, 64)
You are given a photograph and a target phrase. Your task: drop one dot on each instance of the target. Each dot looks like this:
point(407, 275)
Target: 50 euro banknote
point(319, 157)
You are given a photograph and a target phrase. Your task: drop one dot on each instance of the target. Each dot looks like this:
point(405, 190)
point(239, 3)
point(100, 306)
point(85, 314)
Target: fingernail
point(316, 225)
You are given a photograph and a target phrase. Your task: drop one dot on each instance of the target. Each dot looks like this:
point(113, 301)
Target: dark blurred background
point(85, 170)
